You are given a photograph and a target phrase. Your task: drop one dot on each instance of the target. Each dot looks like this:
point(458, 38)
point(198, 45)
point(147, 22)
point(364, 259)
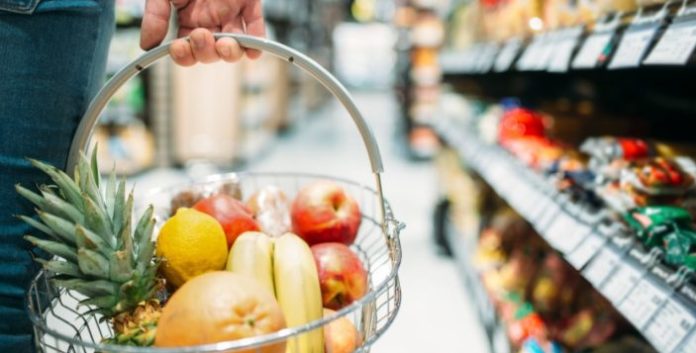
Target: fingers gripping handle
point(89, 121)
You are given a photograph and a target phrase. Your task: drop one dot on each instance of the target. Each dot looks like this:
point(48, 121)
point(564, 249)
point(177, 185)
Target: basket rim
point(390, 230)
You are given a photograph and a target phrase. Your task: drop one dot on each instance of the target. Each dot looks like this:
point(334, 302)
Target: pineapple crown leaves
point(90, 232)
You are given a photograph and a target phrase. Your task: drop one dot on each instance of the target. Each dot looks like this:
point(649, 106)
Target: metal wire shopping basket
point(61, 324)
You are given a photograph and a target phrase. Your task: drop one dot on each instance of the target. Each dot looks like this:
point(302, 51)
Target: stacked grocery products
point(648, 184)
point(221, 268)
point(545, 305)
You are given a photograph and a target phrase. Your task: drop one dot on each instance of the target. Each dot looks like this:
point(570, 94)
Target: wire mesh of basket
point(62, 325)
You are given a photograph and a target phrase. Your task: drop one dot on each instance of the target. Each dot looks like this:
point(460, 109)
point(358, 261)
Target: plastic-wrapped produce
point(271, 209)
point(652, 224)
point(520, 122)
point(610, 155)
point(656, 181)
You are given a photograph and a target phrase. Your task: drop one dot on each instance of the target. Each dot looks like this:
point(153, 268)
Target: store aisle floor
point(436, 315)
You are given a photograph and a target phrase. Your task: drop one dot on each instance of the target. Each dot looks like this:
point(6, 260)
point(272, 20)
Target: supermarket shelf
point(653, 69)
point(658, 301)
point(462, 246)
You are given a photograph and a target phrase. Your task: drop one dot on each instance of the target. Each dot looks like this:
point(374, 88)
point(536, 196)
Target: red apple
point(340, 335)
point(323, 212)
point(342, 276)
point(232, 214)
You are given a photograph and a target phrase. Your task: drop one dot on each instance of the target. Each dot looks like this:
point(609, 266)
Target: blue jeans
point(52, 61)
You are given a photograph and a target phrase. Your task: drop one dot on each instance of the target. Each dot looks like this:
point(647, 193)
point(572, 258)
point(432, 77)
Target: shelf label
point(546, 51)
point(467, 59)
point(561, 58)
point(530, 201)
point(642, 303)
point(558, 229)
point(497, 175)
point(689, 345)
point(675, 46)
point(623, 281)
point(527, 197)
point(530, 56)
point(632, 48)
point(591, 50)
point(670, 326)
point(507, 55)
point(601, 267)
point(563, 51)
point(549, 216)
point(571, 241)
point(487, 58)
point(586, 250)
point(566, 233)
point(538, 208)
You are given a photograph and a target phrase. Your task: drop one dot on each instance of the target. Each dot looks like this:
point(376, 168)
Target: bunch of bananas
point(286, 267)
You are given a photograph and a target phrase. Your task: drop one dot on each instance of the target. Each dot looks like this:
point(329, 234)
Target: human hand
point(199, 19)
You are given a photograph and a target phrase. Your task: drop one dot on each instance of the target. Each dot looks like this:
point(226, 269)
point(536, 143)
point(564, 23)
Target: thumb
point(155, 23)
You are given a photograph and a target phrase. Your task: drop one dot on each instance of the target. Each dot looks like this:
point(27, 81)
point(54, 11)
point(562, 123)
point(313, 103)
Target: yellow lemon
point(191, 243)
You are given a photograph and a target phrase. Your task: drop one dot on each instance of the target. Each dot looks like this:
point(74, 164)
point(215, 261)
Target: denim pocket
point(19, 6)
point(28, 7)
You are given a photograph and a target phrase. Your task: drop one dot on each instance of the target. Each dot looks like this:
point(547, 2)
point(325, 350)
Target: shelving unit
point(635, 64)
point(659, 301)
point(656, 36)
point(420, 35)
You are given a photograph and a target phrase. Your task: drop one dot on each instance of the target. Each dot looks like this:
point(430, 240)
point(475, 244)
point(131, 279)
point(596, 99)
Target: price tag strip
point(643, 302)
point(670, 326)
point(602, 266)
point(594, 46)
point(507, 55)
point(678, 42)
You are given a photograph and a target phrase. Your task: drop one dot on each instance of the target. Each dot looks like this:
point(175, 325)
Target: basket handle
point(89, 121)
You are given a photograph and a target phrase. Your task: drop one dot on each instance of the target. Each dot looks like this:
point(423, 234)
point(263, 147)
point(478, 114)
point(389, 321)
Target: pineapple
point(98, 252)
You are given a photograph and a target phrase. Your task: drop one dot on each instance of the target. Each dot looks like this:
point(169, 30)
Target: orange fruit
point(190, 243)
point(218, 307)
